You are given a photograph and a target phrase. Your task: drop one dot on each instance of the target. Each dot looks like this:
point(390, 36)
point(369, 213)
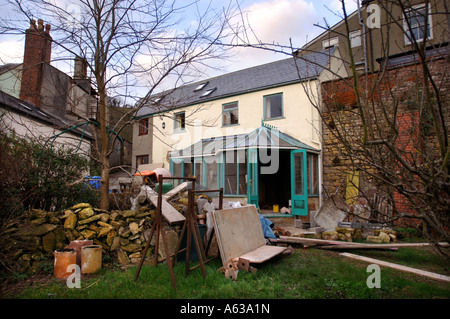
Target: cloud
point(11, 51)
point(276, 22)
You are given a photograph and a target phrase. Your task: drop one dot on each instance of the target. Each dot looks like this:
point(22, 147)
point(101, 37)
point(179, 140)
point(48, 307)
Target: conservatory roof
point(264, 137)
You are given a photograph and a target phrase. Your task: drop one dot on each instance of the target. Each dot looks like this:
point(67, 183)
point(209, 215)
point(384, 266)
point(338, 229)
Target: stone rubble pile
point(31, 240)
point(349, 234)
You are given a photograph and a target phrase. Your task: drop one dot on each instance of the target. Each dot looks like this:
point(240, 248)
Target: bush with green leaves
point(34, 176)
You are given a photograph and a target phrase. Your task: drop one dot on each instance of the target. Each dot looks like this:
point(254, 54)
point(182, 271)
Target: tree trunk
point(104, 151)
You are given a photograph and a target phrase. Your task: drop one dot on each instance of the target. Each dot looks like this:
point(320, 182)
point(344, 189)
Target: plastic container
point(77, 245)
point(91, 259)
point(276, 208)
point(63, 259)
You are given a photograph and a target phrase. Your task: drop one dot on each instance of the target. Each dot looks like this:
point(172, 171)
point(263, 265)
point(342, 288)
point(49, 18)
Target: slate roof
point(31, 111)
point(278, 73)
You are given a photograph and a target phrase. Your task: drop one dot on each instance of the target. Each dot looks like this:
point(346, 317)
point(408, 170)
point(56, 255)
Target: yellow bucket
point(276, 208)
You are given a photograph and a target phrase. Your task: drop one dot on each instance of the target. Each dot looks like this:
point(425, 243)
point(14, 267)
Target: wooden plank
point(301, 240)
point(173, 192)
point(379, 246)
point(399, 267)
point(167, 210)
point(263, 253)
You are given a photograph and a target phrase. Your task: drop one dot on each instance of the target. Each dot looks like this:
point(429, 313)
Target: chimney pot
point(40, 24)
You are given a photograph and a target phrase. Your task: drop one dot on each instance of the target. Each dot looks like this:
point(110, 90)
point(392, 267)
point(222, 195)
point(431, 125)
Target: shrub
point(32, 176)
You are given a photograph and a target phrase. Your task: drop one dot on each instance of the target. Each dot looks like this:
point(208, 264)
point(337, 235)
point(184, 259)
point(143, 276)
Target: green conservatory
point(266, 167)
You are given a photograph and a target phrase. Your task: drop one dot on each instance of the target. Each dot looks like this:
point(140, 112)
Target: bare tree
point(128, 44)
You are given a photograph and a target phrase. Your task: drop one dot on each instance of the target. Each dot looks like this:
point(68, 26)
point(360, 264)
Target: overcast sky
point(279, 21)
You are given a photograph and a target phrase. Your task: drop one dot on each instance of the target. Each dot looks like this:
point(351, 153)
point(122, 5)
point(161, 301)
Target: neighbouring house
point(38, 88)
point(379, 29)
point(51, 90)
point(26, 120)
point(253, 132)
point(70, 99)
point(388, 64)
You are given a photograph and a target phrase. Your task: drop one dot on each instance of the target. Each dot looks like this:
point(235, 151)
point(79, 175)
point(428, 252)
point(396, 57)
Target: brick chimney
point(38, 47)
point(80, 69)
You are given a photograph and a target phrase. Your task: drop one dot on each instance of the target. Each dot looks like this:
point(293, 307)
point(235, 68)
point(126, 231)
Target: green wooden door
point(252, 176)
point(299, 189)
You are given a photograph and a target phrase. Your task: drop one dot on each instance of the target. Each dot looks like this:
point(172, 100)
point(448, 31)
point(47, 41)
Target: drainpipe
point(363, 26)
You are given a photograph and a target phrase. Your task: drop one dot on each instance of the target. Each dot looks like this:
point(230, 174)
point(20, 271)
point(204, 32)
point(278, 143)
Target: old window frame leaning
point(416, 12)
point(142, 160)
point(228, 110)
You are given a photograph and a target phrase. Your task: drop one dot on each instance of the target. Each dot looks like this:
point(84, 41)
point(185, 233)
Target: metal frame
point(190, 224)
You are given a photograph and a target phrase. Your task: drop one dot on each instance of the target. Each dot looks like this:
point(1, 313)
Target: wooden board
point(167, 210)
point(379, 246)
point(173, 192)
point(238, 232)
point(263, 253)
point(312, 241)
point(399, 267)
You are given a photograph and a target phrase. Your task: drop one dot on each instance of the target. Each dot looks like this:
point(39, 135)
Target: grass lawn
point(306, 274)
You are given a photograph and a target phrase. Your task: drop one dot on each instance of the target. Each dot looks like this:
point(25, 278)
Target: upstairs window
point(179, 121)
point(329, 43)
point(355, 38)
point(143, 127)
point(417, 23)
point(230, 114)
point(273, 106)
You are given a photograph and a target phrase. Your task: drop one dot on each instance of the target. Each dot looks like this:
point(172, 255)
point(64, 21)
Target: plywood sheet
point(238, 231)
point(263, 253)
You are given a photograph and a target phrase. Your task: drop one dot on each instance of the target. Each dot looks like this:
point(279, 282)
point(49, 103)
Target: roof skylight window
point(26, 107)
point(208, 92)
point(201, 86)
point(43, 114)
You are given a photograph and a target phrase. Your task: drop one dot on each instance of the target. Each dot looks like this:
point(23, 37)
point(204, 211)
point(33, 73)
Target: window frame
point(406, 29)
point(182, 126)
point(143, 127)
point(142, 156)
point(236, 108)
point(352, 38)
point(329, 43)
point(265, 106)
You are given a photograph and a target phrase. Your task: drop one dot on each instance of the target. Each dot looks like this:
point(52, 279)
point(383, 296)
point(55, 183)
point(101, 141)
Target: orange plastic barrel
point(63, 259)
point(91, 259)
